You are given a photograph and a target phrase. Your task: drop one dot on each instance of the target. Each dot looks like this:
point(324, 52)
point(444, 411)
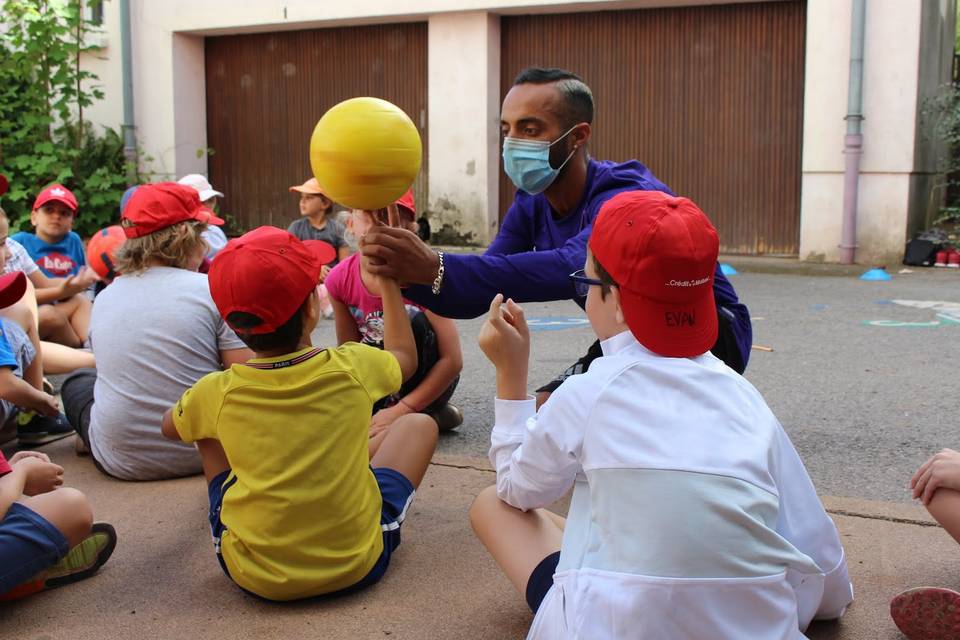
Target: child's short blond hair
point(172, 246)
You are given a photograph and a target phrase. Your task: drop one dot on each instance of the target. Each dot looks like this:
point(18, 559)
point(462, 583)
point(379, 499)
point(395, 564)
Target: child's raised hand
point(504, 336)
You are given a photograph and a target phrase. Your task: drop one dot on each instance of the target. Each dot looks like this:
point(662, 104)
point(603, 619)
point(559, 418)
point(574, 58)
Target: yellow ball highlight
point(365, 153)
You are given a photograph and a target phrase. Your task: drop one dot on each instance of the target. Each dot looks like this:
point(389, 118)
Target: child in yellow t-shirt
point(298, 508)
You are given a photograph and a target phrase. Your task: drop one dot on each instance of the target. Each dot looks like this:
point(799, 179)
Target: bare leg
point(60, 359)
point(945, 508)
point(67, 509)
point(214, 459)
point(542, 396)
point(408, 446)
point(55, 327)
point(375, 443)
point(79, 308)
point(517, 540)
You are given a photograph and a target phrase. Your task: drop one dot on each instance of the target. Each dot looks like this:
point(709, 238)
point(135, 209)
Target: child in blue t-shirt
point(56, 249)
point(59, 254)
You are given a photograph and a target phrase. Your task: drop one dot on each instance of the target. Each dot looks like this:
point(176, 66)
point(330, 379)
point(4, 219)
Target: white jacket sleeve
point(804, 522)
point(536, 454)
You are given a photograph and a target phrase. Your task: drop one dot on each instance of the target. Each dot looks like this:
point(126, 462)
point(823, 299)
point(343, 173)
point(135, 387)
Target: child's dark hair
point(603, 277)
point(286, 337)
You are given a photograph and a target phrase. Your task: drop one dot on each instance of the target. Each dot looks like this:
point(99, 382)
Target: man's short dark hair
point(577, 97)
point(286, 337)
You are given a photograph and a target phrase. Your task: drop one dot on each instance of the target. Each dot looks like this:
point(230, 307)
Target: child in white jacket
point(692, 515)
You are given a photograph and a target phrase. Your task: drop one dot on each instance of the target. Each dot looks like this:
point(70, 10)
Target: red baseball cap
point(56, 193)
point(153, 207)
point(661, 251)
point(267, 272)
point(12, 287)
point(406, 200)
point(324, 251)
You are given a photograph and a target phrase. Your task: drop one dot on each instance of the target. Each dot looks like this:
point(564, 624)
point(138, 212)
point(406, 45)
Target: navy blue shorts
point(396, 492)
point(28, 545)
point(541, 579)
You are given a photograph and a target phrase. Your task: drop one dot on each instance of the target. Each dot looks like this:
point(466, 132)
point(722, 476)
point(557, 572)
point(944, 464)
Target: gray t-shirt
point(332, 233)
point(154, 334)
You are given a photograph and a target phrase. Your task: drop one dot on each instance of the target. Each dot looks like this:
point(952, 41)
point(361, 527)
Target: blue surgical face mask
point(527, 162)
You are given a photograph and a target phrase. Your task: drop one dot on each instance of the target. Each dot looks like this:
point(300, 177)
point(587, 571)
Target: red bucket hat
point(153, 207)
point(56, 193)
point(267, 272)
point(662, 252)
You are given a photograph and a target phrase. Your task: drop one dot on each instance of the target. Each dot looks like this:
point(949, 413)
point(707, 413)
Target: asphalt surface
point(865, 404)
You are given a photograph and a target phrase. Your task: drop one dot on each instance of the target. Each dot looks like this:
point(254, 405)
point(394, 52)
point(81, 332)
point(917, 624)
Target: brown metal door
point(265, 93)
point(710, 98)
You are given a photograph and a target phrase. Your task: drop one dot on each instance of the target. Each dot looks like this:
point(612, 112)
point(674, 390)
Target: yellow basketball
point(365, 153)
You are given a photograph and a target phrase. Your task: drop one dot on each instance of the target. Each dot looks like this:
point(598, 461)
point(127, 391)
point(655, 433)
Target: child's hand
point(940, 470)
point(47, 405)
point(39, 476)
point(324, 272)
point(86, 277)
point(385, 417)
point(504, 337)
point(21, 455)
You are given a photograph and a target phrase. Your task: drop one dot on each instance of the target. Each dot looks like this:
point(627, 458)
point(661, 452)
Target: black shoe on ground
point(447, 417)
point(34, 429)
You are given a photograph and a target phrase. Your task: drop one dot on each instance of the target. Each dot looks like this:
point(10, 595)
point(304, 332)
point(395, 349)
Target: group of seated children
point(284, 430)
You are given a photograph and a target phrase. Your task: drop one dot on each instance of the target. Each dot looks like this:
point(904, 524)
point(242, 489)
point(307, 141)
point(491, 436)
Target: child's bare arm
point(20, 393)
point(167, 428)
point(347, 330)
point(397, 333)
point(55, 289)
point(30, 476)
point(447, 367)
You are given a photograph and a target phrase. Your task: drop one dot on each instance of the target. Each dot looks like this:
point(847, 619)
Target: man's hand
point(399, 254)
point(505, 340)
point(39, 476)
point(941, 470)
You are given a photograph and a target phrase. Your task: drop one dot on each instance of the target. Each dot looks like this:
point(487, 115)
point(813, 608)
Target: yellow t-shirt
point(303, 517)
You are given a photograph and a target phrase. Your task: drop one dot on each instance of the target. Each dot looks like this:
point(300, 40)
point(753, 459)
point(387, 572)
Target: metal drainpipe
point(129, 139)
point(853, 141)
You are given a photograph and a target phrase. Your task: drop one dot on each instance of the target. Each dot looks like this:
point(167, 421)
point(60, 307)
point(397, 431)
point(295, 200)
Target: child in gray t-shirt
point(155, 331)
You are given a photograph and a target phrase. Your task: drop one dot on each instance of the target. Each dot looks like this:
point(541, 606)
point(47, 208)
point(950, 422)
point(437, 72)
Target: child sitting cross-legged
point(298, 508)
point(62, 278)
point(358, 312)
point(692, 515)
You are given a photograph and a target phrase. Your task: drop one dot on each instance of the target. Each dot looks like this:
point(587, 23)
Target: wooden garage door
point(710, 98)
point(265, 93)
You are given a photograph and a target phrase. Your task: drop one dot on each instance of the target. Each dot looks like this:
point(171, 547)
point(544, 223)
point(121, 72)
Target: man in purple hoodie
point(546, 124)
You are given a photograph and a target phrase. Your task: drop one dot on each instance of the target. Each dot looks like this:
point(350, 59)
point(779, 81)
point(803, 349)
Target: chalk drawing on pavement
point(947, 315)
point(556, 323)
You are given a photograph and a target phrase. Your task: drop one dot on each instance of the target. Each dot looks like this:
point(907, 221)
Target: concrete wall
point(908, 45)
point(904, 60)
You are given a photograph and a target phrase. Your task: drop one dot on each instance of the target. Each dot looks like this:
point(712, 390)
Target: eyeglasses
point(582, 283)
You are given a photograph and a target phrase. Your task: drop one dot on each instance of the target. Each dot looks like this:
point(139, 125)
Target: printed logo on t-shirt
point(58, 264)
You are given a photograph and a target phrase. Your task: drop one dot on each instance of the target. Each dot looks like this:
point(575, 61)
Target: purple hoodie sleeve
point(470, 282)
